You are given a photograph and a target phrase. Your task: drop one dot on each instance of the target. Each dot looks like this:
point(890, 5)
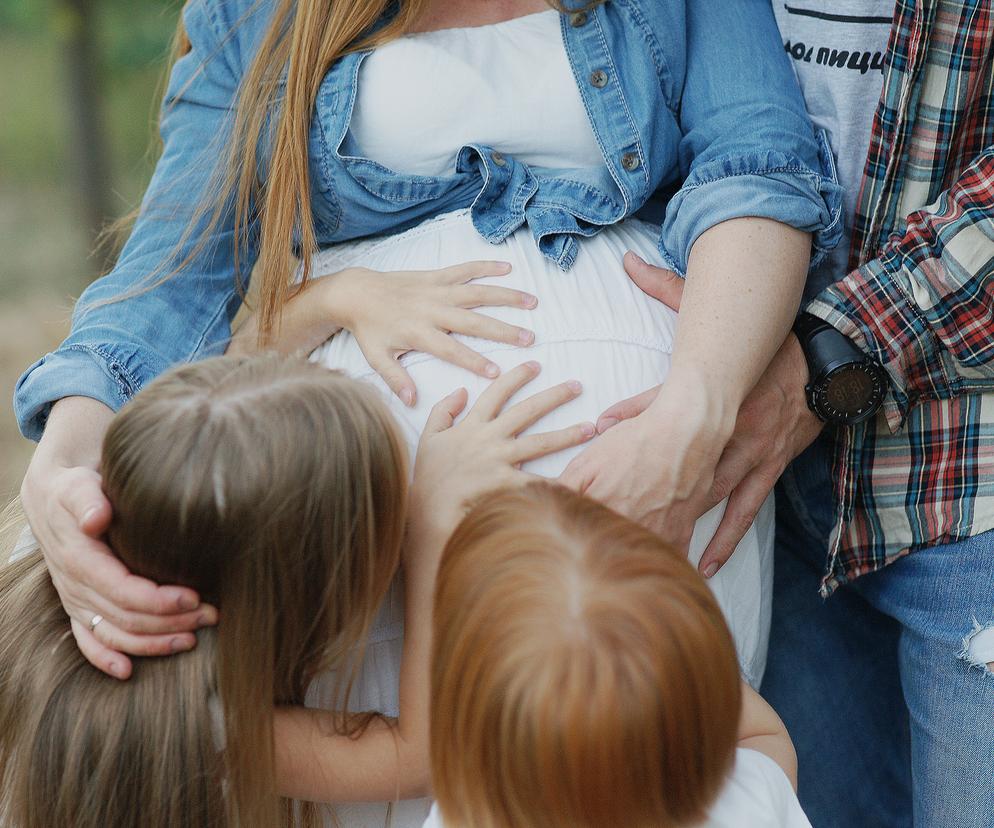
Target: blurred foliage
point(133, 45)
point(45, 247)
point(132, 33)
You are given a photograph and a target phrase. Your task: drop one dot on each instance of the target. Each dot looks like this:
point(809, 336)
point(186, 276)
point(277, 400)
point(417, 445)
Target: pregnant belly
point(591, 324)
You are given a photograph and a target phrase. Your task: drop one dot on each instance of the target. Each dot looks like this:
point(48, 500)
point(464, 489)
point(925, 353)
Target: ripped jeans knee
point(978, 647)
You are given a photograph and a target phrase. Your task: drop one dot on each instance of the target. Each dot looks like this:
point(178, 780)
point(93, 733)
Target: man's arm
point(925, 307)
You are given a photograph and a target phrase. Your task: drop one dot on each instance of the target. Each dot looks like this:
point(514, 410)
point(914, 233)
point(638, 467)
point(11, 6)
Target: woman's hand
point(773, 426)
point(744, 280)
point(457, 463)
point(393, 313)
point(68, 514)
point(658, 467)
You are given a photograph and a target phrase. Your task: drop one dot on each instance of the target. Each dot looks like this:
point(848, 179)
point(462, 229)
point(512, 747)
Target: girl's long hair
point(583, 674)
point(302, 41)
point(277, 490)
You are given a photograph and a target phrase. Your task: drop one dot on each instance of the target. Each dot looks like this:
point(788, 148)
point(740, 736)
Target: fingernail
point(491, 370)
point(116, 670)
point(638, 259)
point(574, 386)
point(187, 602)
point(526, 337)
point(588, 430)
point(605, 423)
point(533, 366)
point(206, 620)
point(504, 267)
point(711, 569)
point(407, 396)
point(178, 645)
point(529, 301)
point(89, 513)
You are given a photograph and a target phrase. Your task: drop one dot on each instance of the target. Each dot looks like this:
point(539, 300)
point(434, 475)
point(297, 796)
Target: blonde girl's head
point(582, 676)
point(277, 490)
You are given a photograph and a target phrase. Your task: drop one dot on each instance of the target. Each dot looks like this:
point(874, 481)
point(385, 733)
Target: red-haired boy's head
point(583, 674)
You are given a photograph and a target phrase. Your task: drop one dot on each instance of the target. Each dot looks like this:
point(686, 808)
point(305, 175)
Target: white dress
point(758, 794)
point(592, 323)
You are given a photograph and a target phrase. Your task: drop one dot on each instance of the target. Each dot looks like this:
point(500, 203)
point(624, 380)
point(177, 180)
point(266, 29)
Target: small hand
point(457, 463)
point(773, 426)
point(391, 314)
point(69, 514)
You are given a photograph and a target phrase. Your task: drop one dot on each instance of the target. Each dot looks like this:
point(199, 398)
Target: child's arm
point(760, 729)
point(393, 313)
point(455, 464)
point(390, 759)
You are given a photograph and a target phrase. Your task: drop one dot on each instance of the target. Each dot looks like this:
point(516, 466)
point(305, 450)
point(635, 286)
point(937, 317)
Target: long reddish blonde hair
point(303, 40)
point(583, 675)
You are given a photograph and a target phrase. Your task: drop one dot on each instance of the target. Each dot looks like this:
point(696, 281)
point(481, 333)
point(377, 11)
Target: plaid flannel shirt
point(920, 296)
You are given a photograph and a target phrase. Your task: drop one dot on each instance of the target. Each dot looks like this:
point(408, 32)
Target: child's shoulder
point(758, 794)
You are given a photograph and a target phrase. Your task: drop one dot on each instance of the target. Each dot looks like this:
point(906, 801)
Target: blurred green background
point(79, 88)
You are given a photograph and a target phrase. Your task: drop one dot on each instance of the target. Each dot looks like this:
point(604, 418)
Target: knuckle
point(721, 488)
point(118, 596)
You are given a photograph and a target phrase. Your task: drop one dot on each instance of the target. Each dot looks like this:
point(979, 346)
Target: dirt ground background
point(45, 243)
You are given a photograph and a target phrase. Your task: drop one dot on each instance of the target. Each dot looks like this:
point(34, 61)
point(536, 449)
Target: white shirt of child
point(757, 795)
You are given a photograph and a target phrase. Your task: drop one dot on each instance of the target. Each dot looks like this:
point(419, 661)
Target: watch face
point(849, 389)
point(850, 393)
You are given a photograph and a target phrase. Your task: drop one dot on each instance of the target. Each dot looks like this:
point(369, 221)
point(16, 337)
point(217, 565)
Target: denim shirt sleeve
point(748, 147)
point(116, 347)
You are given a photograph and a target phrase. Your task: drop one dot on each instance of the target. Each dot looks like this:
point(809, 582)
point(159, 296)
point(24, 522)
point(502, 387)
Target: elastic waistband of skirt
point(349, 254)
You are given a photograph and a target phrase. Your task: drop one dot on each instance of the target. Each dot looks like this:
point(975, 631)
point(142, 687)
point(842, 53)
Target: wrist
point(74, 433)
point(795, 378)
point(696, 396)
point(340, 298)
point(846, 386)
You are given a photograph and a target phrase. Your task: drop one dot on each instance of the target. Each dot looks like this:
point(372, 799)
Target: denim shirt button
point(631, 161)
point(598, 78)
point(578, 19)
point(498, 158)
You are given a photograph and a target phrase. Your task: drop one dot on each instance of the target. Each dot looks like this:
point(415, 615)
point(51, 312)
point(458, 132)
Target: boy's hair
point(583, 675)
point(277, 490)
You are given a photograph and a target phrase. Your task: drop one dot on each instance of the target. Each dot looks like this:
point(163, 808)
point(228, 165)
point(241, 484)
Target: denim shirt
point(693, 103)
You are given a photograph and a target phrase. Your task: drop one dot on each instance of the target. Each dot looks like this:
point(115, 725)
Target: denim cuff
point(770, 185)
point(72, 371)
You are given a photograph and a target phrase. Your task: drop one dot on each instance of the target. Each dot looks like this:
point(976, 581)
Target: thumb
point(626, 409)
point(443, 413)
point(86, 502)
point(657, 282)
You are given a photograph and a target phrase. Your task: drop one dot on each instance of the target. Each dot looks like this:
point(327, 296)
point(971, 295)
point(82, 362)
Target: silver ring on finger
point(94, 621)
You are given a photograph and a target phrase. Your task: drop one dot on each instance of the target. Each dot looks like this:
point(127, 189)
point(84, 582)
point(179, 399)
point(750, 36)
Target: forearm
point(313, 315)
point(390, 759)
point(925, 307)
point(744, 282)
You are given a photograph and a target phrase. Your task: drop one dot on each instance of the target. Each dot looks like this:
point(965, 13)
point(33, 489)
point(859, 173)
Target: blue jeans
point(892, 720)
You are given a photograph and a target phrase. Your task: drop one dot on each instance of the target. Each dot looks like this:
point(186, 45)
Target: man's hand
point(773, 426)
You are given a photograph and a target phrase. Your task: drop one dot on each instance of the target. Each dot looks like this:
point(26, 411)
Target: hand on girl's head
point(69, 515)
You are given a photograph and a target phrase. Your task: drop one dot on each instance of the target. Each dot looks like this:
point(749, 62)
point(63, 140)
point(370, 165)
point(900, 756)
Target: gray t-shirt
point(837, 48)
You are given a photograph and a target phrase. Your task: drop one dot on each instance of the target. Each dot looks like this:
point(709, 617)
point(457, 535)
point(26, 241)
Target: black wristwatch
point(846, 385)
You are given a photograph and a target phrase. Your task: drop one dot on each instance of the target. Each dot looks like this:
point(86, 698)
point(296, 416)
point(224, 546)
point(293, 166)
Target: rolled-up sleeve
point(132, 324)
point(748, 147)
